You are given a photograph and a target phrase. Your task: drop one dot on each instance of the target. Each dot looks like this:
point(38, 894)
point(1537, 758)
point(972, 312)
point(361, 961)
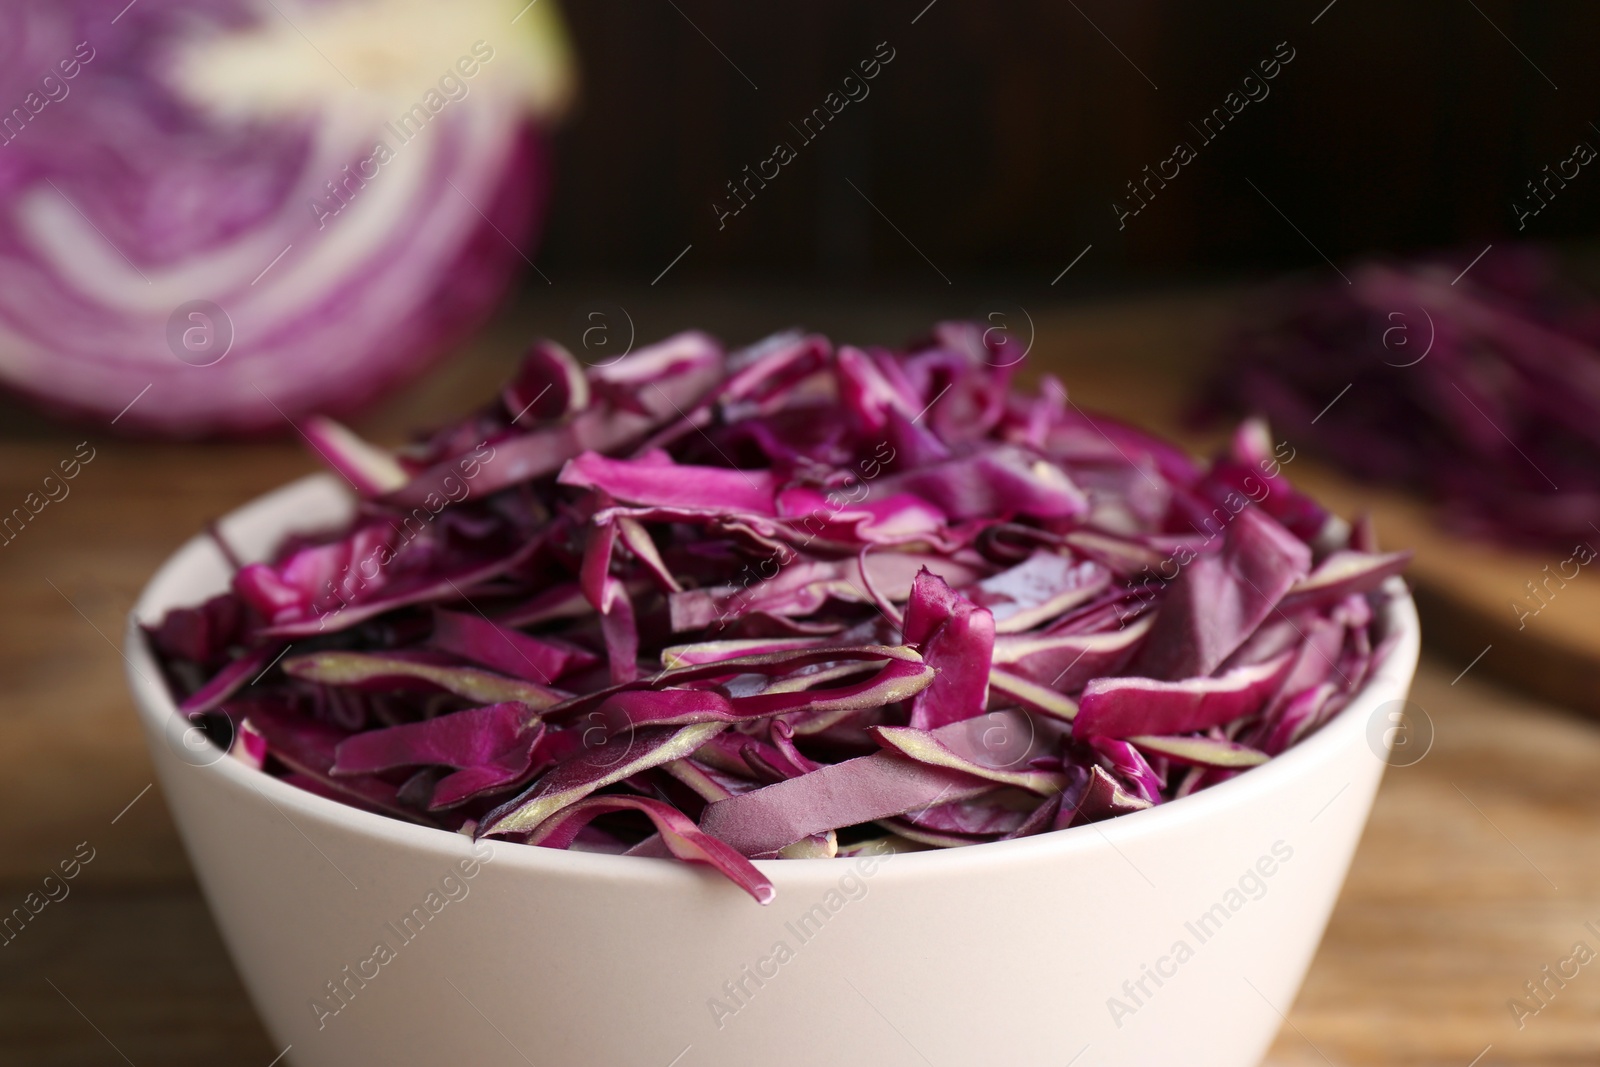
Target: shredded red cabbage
point(1480, 388)
point(783, 601)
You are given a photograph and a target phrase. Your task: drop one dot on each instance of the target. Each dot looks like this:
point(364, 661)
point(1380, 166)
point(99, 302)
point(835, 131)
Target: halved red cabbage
point(207, 228)
point(782, 602)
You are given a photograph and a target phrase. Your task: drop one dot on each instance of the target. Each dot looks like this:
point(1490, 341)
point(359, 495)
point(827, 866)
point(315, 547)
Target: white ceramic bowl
point(1176, 935)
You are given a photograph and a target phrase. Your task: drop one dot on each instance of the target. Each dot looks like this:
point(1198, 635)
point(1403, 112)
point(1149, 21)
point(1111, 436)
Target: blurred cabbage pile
point(1477, 387)
point(260, 209)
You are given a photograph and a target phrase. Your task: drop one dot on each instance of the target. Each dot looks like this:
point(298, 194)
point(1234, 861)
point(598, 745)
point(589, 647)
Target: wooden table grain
point(1479, 866)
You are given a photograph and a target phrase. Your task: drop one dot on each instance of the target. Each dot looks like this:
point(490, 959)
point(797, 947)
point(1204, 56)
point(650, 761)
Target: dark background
point(1000, 134)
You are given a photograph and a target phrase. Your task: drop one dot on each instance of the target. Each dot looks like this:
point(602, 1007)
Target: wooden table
point(1479, 866)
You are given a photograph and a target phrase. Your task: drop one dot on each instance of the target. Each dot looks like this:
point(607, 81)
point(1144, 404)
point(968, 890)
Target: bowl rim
point(275, 511)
